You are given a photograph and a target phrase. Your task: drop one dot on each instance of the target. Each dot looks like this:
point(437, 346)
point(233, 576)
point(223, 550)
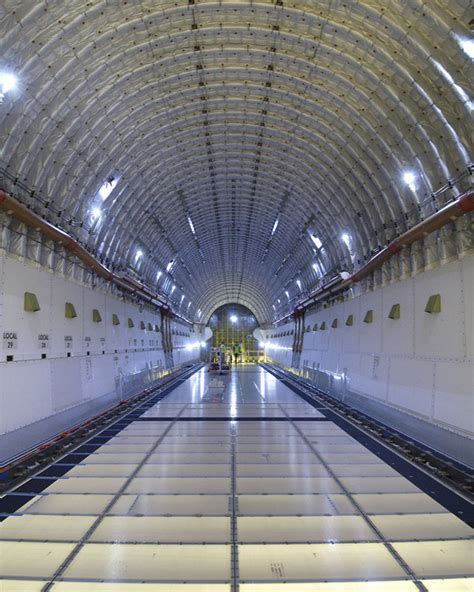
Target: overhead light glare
point(287, 294)
point(7, 82)
point(233, 318)
point(346, 239)
point(467, 46)
point(409, 178)
point(298, 283)
point(191, 225)
point(170, 265)
point(95, 213)
point(107, 188)
point(317, 241)
point(275, 225)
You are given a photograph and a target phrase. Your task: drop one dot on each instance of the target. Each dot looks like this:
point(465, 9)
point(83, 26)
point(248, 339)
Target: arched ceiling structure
point(236, 130)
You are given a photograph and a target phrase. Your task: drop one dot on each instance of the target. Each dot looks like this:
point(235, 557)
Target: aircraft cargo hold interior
point(236, 296)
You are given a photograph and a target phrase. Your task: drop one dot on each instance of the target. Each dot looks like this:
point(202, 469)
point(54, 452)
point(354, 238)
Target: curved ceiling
point(236, 130)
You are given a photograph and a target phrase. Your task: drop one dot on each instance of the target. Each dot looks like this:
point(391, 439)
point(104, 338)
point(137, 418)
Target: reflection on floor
point(253, 490)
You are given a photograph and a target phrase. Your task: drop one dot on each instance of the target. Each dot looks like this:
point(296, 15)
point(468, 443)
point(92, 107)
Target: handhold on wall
point(142, 325)
point(434, 304)
point(323, 326)
point(350, 320)
point(150, 327)
point(96, 318)
point(369, 316)
point(69, 311)
point(394, 312)
point(115, 319)
point(131, 324)
point(315, 327)
point(334, 324)
point(30, 302)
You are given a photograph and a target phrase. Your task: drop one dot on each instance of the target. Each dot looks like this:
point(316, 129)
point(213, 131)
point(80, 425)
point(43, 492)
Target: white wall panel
point(370, 333)
point(67, 334)
point(410, 385)
point(467, 294)
point(441, 334)
point(454, 398)
point(25, 393)
point(107, 365)
point(20, 277)
point(420, 364)
point(66, 382)
point(374, 376)
point(398, 335)
point(351, 334)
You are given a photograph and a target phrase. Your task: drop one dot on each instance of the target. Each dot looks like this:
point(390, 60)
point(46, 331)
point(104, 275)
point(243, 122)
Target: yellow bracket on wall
point(131, 324)
point(434, 304)
point(69, 310)
point(394, 312)
point(96, 318)
point(350, 320)
point(30, 302)
point(369, 316)
point(323, 326)
point(115, 319)
point(142, 325)
point(334, 324)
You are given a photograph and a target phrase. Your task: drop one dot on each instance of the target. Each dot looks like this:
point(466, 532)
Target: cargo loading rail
point(27, 463)
point(451, 474)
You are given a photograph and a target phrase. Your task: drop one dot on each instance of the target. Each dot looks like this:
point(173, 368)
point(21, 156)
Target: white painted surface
point(421, 364)
point(104, 359)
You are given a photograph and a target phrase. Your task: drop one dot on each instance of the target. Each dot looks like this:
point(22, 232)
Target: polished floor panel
point(45, 528)
point(252, 490)
point(348, 586)
point(304, 529)
point(124, 457)
point(141, 563)
point(288, 485)
point(52, 504)
point(139, 587)
point(86, 485)
point(168, 485)
point(32, 559)
point(295, 505)
point(168, 529)
point(317, 562)
point(171, 505)
point(281, 470)
point(185, 470)
point(398, 503)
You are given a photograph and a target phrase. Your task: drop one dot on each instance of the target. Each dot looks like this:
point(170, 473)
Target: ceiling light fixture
point(7, 83)
point(409, 178)
point(275, 225)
